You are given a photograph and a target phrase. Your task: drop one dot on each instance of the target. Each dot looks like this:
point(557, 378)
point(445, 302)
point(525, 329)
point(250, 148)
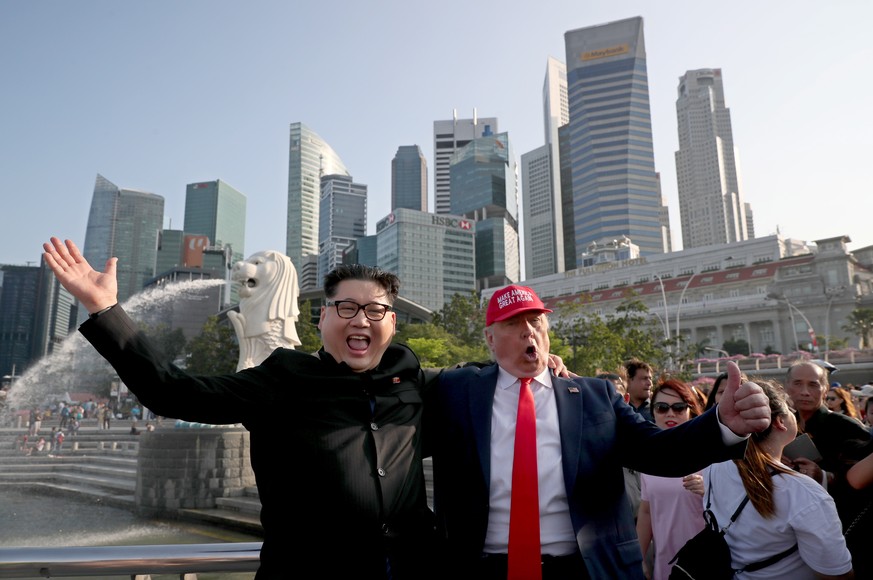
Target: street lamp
point(724, 353)
point(831, 293)
point(681, 298)
point(808, 325)
point(660, 320)
point(791, 310)
point(666, 320)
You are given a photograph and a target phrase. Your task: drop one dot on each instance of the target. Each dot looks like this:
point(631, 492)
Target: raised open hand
point(94, 290)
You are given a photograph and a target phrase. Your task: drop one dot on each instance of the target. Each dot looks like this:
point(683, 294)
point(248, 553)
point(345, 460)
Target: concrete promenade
point(103, 465)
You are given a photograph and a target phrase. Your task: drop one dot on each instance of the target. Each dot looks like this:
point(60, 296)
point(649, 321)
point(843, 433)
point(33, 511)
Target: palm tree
point(860, 322)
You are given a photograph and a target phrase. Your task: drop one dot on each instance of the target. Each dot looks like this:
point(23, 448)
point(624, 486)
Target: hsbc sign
point(456, 223)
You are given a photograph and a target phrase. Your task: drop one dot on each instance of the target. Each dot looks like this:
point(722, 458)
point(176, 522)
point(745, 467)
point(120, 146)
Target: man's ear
point(489, 340)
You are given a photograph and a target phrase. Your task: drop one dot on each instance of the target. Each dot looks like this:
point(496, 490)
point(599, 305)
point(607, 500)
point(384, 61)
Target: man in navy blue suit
point(585, 433)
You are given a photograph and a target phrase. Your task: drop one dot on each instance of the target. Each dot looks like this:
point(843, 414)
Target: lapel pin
point(396, 380)
point(573, 389)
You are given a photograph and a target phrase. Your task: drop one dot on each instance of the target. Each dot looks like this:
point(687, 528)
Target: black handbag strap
point(754, 565)
point(733, 517)
point(771, 560)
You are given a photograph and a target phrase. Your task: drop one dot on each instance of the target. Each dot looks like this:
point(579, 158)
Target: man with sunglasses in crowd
point(345, 497)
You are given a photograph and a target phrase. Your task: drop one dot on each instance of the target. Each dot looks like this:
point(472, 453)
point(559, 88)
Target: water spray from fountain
point(76, 366)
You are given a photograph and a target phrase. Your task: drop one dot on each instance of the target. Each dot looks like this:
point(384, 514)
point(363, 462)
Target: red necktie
point(524, 559)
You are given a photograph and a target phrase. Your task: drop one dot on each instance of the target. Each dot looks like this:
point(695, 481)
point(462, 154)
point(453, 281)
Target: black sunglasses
point(662, 408)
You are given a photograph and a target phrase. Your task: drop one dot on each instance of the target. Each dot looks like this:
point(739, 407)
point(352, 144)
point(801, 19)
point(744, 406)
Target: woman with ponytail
point(785, 508)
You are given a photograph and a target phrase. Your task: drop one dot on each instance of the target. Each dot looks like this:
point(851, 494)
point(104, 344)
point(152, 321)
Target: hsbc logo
point(451, 222)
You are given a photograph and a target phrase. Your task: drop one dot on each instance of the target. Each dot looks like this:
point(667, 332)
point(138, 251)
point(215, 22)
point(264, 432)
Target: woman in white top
point(785, 508)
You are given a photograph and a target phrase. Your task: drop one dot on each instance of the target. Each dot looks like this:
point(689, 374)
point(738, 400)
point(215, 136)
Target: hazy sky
point(155, 95)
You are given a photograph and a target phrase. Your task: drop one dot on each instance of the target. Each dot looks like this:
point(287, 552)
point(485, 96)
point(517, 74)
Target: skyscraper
point(432, 254)
point(448, 137)
point(484, 185)
point(18, 306)
point(711, 205)
point(124, 223)
point(36, 315)
point(409, 179)
point(611, 158)
point(342, 219)
point(55, 316)
point(543, 202)
point(309, 159)
point(218, 211)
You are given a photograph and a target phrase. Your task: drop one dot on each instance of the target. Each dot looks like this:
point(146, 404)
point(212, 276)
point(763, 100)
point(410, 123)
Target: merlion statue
point(268, 310)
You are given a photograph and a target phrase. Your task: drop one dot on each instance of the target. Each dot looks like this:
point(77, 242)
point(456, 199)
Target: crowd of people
point(70, 416)
point(368, 415)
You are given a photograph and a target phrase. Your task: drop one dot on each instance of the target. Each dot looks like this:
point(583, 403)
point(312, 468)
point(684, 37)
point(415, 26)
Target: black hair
point(635, 364)
point(388, 281)
point(710, 399)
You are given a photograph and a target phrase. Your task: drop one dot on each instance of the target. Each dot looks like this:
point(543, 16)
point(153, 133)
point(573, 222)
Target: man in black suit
point(842, 441)
point(585, 433)
point(341, 480)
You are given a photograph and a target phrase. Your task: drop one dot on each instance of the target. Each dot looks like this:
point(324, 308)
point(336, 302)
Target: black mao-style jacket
point(336, 454)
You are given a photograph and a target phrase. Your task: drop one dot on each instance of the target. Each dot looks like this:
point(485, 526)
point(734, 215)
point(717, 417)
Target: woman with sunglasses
point(669, 515)
point(839, 400)
point(785, 508)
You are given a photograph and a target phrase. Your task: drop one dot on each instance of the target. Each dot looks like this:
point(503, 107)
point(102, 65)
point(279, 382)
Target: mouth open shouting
point(358, 343)
point(357, 340)
point(530, 353)
point(520, 344)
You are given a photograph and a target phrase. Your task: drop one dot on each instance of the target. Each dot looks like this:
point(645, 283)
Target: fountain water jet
point(74, 365)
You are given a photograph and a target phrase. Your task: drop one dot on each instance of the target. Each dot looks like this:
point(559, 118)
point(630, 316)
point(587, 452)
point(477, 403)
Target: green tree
point(214, 351)
point(437, 348)
point(432, 352)
point(736, 346)
point(463, 317)
point(307, 331)
point(698, 349)
point(831, 342)
point(170, 342)
point(589, 342)
point(860, 323)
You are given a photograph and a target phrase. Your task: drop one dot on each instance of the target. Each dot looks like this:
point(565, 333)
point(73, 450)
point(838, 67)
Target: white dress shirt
point(556, 529)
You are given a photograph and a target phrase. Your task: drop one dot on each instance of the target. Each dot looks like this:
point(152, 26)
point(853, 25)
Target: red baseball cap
point(512, 300)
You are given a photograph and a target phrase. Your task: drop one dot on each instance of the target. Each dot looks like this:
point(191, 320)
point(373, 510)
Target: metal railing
point(133, 561)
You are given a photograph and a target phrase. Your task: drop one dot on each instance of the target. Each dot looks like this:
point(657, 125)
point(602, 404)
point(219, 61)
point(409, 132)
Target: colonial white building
point(773, 291)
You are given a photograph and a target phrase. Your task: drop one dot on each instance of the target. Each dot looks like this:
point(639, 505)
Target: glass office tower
point(711, 207)
point(432, 254)
point(615, 187)
point(484, 185)
point(309, 159)
point(409, 179)
point(342, 219)
point(218, 211)
point(449, 137)
point(124, 223)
